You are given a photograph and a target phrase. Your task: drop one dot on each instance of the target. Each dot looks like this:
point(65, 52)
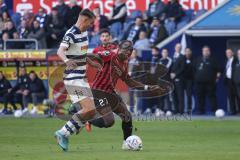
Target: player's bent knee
point(109, 120)
point(88, 114)
point(109, 123)
point(102, 122)
point(99, 122)
point(88, 110)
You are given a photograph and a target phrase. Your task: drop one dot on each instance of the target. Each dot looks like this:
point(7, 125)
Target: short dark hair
point(54, 9)
point(37, 21)
point(87, 13)
point(165, 49)
point(139, 16)
point(32, 72)
point(155, 47)
point(206, 46)
point(22, 67)
point(126, 45)
point(105, 30)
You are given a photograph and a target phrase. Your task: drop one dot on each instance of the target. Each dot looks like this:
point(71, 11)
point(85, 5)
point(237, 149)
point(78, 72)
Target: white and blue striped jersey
point(76, 43)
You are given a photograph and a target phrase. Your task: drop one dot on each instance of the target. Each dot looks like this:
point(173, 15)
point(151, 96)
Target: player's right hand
point(152, 87)
point(71, 64)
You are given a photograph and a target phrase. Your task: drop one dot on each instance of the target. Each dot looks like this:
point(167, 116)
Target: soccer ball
point(18, 113)
point(220, 113)
point(134, 143)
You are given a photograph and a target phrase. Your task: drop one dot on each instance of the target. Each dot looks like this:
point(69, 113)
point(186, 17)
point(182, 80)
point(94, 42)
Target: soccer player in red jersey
point(115, 66)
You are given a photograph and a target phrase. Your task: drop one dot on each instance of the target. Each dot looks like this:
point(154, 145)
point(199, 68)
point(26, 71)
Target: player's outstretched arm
point(91, 58)
point(94, 57)
point(133, 83)
point(149, 90)
point(138, 85)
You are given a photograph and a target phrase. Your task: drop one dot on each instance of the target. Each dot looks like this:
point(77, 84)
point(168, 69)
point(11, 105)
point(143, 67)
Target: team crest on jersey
point(106, 53)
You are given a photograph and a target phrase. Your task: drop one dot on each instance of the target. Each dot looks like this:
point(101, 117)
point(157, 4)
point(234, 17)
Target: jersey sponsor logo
point(84, 48)
point(82, 35)
point(118, 71)
point(22, 6)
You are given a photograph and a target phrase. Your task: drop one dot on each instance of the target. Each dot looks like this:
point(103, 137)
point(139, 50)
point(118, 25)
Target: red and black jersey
point(113, 69)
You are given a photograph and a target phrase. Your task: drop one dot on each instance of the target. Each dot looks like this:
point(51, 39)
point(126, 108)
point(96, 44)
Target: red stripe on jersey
point(101, 76)
point(107, 78)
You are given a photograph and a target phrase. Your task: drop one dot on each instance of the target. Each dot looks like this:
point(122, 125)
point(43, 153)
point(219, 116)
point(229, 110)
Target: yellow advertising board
point(22, 55)
point(9, 72)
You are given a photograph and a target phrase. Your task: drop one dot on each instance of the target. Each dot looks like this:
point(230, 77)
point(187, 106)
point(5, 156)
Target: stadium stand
point(26, 26)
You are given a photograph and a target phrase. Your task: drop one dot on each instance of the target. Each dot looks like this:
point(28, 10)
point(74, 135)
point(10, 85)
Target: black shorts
point(103, 99)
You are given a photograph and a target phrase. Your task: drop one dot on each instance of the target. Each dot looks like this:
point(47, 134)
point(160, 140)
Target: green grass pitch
point(32, 139)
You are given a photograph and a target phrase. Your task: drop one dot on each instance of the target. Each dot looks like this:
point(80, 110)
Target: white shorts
point(78, 89)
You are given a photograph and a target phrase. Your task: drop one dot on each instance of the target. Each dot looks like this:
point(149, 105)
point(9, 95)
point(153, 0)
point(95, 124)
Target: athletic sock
point(74, 125)
point(70, 128)
point(127, 129)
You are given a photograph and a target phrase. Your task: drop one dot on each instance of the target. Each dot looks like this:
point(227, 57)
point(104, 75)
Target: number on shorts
point(103, 102)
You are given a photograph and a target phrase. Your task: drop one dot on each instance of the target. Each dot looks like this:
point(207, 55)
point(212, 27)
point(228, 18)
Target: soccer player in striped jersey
point(73, 51)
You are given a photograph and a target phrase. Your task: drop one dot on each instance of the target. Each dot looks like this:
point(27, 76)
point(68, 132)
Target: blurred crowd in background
point(195, 80)
point(144, 29)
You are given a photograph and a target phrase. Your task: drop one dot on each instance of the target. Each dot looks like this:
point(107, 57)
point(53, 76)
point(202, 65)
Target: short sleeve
point(67, 40)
